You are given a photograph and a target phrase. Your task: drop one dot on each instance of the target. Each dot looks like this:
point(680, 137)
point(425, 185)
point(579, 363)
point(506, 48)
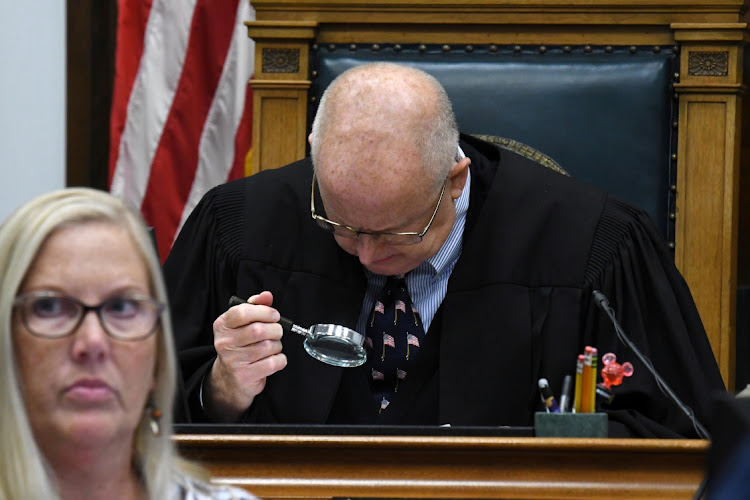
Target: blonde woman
point(87, 365)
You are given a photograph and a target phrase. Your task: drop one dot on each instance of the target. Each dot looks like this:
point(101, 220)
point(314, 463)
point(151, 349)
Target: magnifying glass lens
point(335, 352)
point(336, 345)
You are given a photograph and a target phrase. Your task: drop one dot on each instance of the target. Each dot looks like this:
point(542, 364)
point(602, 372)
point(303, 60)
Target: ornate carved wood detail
point(708, 63)
point(276, 60)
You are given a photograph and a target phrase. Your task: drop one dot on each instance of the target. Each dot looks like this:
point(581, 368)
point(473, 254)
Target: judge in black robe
point(518, 305)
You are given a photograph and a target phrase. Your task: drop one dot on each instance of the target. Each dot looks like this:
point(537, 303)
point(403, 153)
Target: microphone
point(601, 300)
point(602, 303)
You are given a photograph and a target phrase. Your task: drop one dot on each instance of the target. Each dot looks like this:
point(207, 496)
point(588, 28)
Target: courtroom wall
point(32, 100)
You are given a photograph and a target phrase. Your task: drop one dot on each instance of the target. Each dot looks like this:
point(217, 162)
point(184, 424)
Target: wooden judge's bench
point(443, 466)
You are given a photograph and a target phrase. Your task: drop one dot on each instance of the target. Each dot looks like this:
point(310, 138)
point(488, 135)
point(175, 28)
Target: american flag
point(412, 340)
point(400, 306)
point(401, 374)
point(182, 108)
point(388, 340)
point(376, 375)
point(415, 313)
point(379, 307)
point(384, 404)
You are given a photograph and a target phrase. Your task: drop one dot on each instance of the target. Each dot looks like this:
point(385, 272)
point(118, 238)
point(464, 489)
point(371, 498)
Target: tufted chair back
point(606, 115)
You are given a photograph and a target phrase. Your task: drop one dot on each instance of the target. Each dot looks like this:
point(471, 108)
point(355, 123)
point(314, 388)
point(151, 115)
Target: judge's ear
point(309, 139)
point(457, 177)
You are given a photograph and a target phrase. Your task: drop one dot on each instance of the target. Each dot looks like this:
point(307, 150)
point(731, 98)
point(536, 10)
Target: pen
point(547, 397)
point(565, 394)
point(579, 385)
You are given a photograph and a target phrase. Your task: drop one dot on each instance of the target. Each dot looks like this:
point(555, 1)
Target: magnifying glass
point(332, 344)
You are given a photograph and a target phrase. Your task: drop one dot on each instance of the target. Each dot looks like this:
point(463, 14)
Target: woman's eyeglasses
point(53, 315)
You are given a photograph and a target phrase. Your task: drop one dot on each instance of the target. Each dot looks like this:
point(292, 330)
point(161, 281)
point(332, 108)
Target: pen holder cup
point(570, 424)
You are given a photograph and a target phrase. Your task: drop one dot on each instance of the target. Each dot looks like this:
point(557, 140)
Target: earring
point(154, 415)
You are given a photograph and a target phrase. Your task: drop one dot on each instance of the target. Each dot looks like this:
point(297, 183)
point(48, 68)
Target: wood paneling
point(91, 29)
point(301, 466)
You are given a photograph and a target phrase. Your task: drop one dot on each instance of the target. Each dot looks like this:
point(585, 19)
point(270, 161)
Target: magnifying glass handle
point(288, 324)
point(235, 301)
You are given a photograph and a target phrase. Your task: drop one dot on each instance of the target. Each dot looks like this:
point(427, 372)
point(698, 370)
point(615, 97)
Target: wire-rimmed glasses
point(405, 238)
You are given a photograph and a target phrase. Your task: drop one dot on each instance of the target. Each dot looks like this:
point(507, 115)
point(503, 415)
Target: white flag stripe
point(216, 148)
point(164, 51)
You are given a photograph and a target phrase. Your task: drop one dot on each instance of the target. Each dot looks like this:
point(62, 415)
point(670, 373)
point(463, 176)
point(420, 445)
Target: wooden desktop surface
point(330, 466)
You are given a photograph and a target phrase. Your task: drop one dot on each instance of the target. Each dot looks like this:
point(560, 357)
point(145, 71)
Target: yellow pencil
point(593, 367)
point(588, 380)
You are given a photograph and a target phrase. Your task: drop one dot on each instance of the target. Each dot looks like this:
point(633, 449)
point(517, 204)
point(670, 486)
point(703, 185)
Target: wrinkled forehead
point(376, 162)
point(370, 183)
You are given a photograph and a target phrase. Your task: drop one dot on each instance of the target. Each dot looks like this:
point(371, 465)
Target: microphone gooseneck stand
point(603, 303)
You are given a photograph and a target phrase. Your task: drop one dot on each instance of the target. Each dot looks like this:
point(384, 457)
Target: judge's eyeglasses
point(405, 238)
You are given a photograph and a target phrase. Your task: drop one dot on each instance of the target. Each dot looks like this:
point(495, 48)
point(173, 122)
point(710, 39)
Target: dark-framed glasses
point(407, 238)
point(53, 315)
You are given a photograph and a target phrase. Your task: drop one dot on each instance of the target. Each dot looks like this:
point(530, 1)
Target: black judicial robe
point(518, 305)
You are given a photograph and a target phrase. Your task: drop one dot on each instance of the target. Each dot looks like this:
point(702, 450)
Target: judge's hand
point(247, 339)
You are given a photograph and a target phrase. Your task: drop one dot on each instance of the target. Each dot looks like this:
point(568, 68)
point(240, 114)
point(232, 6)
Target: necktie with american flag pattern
point(394, 336)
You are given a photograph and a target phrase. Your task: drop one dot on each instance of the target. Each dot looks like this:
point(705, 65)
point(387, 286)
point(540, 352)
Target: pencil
point(588, 383)
point(579, 385)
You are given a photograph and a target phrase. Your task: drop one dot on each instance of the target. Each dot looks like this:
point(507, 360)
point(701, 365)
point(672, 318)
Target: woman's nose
point(90, 340)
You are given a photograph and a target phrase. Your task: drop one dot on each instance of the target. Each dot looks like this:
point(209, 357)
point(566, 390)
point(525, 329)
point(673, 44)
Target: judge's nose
point(367, 248)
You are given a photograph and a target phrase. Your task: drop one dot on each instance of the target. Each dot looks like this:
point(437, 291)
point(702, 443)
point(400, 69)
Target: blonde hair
point(23, 470)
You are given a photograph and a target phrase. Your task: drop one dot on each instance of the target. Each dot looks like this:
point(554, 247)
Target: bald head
point(389, 116)
point(384, 145)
